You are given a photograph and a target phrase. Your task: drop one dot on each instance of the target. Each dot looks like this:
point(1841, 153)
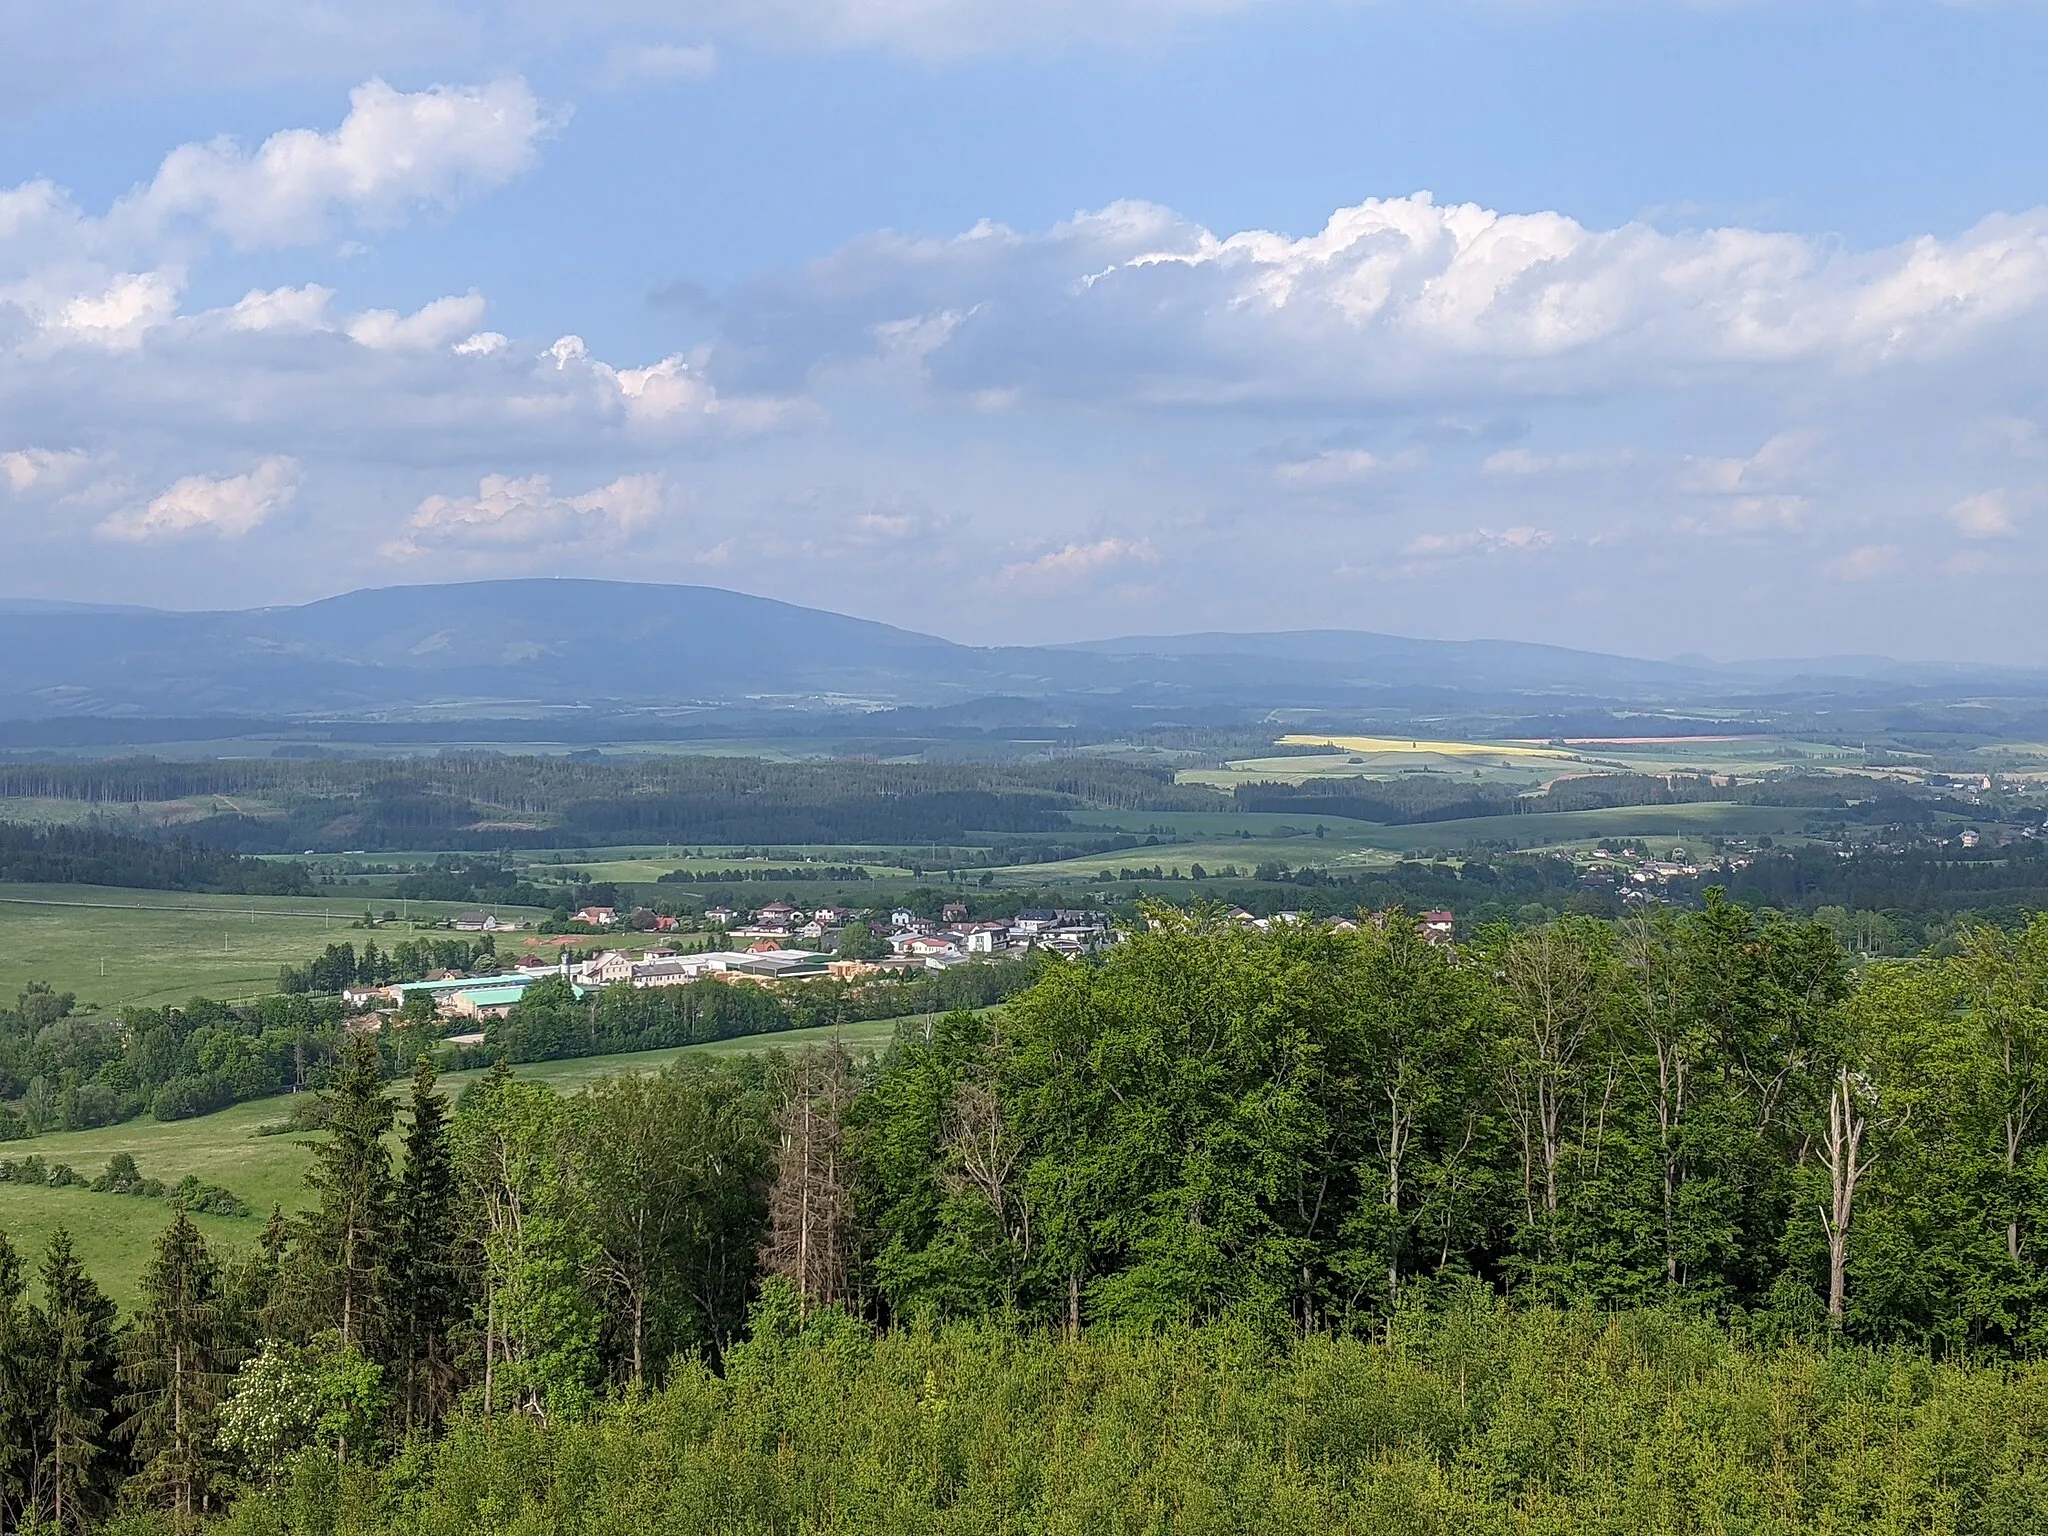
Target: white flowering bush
point(273, 1409)
point(288, 1399)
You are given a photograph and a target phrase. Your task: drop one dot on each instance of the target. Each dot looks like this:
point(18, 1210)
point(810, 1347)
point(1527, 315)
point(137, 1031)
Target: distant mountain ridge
point(1395, 660)
point(1525, 665)
point(543, 645)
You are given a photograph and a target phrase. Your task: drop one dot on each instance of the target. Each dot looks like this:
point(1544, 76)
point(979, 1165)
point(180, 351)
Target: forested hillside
point(96, 856)
point(2012, 879)
point(490, 801)
point(1670, 1225)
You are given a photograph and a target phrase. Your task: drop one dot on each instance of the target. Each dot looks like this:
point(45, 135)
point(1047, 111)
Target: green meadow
point(112, 946)
point(1190, 838)
point(1528, 764)
point(1567, 829)
point(114, 1233)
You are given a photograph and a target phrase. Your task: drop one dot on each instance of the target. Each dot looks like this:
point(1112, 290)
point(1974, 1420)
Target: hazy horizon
point(1682, 658)
point(1648, 329)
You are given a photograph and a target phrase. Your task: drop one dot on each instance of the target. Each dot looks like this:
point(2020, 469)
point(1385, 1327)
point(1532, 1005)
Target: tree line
point(89, 855)
point(65, 1071)
point(342, 965)
point(550, 1022)
point(468, 802)
point(1919, 885)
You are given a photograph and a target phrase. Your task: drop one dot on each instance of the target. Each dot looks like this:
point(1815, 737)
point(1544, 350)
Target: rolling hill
point(536, 647)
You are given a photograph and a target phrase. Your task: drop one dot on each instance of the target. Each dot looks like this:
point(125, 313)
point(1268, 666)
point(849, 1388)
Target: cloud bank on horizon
point(1424, 415)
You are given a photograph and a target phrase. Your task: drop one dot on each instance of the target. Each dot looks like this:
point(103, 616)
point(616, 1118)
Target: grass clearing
point(113, 946)
point(114, 1233)
point(1527, 763)
point(1359, 846)
point(1520, 773)
point(1563, 829)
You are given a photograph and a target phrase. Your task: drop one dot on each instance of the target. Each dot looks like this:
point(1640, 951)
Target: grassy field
point(1358, 845)
point(1524, 763)
point(113, 1233)
point(1567, 829)
point(114, 946)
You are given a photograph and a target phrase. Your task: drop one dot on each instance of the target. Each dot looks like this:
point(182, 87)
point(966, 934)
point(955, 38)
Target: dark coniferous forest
point(64, 855)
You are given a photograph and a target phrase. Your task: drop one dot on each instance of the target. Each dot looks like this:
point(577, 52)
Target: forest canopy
point(1678, 1223)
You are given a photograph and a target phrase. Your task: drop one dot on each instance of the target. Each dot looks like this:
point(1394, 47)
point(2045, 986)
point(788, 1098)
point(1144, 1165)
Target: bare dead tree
point(983, 1158)
point(1656, 999)
point(810, 1204)
point(1556, 996)
point(1852, 1102)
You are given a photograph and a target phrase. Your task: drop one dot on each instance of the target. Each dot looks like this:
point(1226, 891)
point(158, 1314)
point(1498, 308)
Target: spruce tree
point(424, 1273)
point(17, 1435)
point(77, 1363)
point(350, 1232)
point(177, 1371)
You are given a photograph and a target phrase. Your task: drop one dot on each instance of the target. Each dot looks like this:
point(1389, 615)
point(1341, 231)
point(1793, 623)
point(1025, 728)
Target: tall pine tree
point(349, 1234)
point(424, 1300)
point(17, 1432)
point(176, 1372)
point(73, 1352)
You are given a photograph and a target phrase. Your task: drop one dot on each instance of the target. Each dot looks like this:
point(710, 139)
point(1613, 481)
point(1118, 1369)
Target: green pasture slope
point(1189, 838)
point(112, 946)
point(1563, 829)
point(114, 1233)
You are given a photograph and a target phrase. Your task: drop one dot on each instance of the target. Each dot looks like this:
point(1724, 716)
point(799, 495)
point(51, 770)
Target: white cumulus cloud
point(395, 151)
point(230, 507)
point(1393, 297)
point(1071, 562)
point(515, 512)
point(674, 393)
point(432, 325)
point(119, 315)
point(40, 469)
point(1785, 457)
point(1987, 515)
point(281, 309)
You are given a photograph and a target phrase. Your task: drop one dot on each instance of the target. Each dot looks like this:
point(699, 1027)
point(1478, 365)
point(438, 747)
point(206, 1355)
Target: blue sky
point(1646, 326)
